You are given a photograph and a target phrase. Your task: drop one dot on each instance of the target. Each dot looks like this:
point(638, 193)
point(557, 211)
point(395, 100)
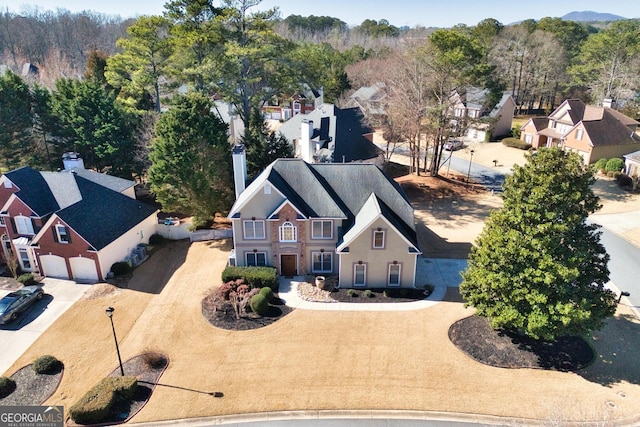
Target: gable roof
point(539, 123)
point(33, 191)
point(103, 215)
point(335, 190)
point(349, 142)
point(611, 129)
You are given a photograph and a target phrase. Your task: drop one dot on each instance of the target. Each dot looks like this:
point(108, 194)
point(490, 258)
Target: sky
point(428, 13)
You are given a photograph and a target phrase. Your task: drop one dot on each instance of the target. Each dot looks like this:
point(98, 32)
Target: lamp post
point(623, 294)
point(109, 312)
point(469, 171)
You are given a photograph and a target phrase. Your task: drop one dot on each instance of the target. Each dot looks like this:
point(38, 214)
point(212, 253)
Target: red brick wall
point(290, 214)
point(77, 247)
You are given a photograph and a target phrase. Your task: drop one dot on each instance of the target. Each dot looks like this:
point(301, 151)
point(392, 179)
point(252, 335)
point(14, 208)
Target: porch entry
point(289, 265)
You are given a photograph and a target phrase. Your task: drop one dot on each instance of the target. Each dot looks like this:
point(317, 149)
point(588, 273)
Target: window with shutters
point(24, 225)
point(63, 234)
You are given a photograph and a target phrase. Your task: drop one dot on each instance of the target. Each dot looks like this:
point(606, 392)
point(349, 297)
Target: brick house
point(72, 224)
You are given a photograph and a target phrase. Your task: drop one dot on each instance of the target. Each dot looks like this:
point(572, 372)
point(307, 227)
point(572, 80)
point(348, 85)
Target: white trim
point(373, 242)
point(66, 240)
point(253, 222)
point(355, 268)
point(322, 255)
point(322, 221)
point(288, 225)
point(399, 275)
point(282, 205)
point(246, 258)
point(26, 223)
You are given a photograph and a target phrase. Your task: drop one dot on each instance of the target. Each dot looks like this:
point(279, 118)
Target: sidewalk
point(439, 272)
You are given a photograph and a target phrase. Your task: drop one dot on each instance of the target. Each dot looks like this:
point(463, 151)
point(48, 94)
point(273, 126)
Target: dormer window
point(62, 233)
point(288, 232)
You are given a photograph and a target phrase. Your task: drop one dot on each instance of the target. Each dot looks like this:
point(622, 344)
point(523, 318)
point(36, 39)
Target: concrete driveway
point(17, 336)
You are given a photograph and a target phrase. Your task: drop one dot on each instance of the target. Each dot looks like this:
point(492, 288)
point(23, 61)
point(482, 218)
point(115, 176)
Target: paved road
point(17, 337)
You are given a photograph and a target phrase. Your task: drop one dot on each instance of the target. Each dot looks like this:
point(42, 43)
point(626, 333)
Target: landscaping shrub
point(27, 279)
point(46, 365)
point(614, 165)
point(516, 143)
point(96, 404)
point(516, 132)
point(155, 239)
point(267, 292)
point(600, 165)
point(154, 359)
point(352, 293)
point(259, 304)
point(121, 268)
point(256, 277)
point(368, 293)
point(624, 180)
point(7, 386)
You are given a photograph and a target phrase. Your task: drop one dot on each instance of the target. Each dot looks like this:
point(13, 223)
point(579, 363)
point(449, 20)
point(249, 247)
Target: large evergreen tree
point(538, 267)
point(190, 158)
point(15, 118)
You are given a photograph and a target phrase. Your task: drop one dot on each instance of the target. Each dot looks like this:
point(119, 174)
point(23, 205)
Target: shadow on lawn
point(616, 346)
point(210, 393)
point(153, 274)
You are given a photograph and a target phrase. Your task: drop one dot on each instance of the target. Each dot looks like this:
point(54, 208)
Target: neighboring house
point(632, 163)
point(283, 108)
point(478, 121)
point(72, 224)
point(349, 220)
point(331, 134)
point(591, 131)
point(370, 99)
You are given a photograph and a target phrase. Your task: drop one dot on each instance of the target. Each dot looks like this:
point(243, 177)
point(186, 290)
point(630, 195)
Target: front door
point(289, 265)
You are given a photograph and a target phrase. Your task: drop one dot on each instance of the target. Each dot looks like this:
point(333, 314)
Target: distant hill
point(590, 16)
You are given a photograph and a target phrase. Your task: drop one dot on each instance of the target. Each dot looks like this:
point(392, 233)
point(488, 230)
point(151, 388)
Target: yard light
point(623, 294)
point(469, 171)
point(109, 312)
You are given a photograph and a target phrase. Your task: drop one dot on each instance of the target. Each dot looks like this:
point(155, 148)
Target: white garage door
point(53, 266)
point(83, 269)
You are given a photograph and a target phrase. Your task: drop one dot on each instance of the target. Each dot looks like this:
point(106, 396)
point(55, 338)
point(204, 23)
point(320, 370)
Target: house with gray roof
point(331, 134)
point(476, 119)
point(72, 224)
point(349, 220)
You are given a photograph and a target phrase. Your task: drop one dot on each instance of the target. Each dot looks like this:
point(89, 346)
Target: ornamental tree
point(538, 266)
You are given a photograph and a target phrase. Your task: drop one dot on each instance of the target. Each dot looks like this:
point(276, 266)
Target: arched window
point(288, 232)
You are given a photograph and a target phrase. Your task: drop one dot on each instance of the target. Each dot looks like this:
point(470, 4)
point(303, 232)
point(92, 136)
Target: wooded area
point(102, 82)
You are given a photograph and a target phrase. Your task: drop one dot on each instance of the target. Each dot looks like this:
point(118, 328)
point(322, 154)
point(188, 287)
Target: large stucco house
point(349, 220)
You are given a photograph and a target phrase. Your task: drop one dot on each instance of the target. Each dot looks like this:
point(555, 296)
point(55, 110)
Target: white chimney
point(72, 160)
point(609, 103)
point(306, 147)
point(239, 168)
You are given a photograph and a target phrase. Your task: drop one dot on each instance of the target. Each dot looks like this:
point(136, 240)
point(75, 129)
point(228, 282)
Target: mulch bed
point(387, 295)
point(504, 349)
point(147, 374)
point(225, 318)
point(32, 389)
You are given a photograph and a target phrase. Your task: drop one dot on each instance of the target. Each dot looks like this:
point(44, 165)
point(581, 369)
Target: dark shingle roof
point(610, 130)
point(334, 190)
point(103, 215)
point(350, 141)
point(34, 191)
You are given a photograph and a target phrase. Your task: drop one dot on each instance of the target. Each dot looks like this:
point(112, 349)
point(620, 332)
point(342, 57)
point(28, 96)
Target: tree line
point(108, 99)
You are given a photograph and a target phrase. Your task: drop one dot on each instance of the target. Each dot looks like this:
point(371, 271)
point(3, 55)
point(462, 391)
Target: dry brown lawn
point(315, 360)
